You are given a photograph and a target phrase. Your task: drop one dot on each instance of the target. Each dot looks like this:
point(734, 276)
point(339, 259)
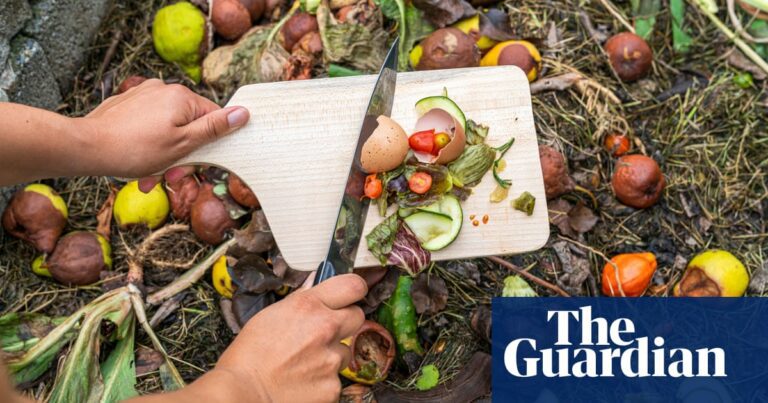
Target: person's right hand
point(292, 351)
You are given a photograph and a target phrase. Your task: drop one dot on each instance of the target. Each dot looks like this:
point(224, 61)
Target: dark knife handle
point(325, 270)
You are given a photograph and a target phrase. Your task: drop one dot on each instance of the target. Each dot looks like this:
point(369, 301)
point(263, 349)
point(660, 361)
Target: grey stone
point(27, 78)
point(13, 15)
point(66, 29)
point(5, 49)
point(4, 96)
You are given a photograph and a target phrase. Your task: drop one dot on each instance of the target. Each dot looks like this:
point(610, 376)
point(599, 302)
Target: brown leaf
point(245, 305)
point(256, 237)
point(147, 360)
point(372, 275)
point(442, 13)
point(759, 282)
point(429, 293)
point(494, 24)
point(252, 274)
point(380, 292)
point(575, 268)
point(104, 216)
point(581, 218)
point(480, 321)
point(558, 216)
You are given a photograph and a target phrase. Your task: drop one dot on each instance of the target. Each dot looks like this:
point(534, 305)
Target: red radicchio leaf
point(407, 252)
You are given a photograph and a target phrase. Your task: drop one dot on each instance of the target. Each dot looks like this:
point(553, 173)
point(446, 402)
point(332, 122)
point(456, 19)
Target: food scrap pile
point(652, 128)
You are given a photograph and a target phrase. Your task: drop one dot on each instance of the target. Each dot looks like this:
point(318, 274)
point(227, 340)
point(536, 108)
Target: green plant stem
point(743, 46)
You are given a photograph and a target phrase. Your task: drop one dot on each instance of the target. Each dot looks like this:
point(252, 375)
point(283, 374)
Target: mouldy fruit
point(447, 48)
point(40, 267)
point(554, 168)
point(181, 195)
point(230, 18)
point(79, 257)
point(134, 207)
point(713, 273)
point(222, 281)
point(515, 53)
point(130, 82)
point(635, 271)
point(637, 181)
point(255, 8)
point(471, 27)
point(178, 33)
point(209, 217)
point(241, 192)
point(36, 214)
point(630, 56)
point(373, 351)
point(616, 144)
point(295, 28)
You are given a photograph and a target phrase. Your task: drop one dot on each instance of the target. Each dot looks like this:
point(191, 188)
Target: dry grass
point(712, 144)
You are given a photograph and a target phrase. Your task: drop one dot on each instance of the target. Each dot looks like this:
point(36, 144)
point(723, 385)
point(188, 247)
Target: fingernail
point(174, 175)
point(146, 184)
point(237, 116)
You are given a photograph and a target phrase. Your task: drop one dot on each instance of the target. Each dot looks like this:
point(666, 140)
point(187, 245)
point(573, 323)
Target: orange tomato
point(635, 271)
point(617, 144)
point(373, 186)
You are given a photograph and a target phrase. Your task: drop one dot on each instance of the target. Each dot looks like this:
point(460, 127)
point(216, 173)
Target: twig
point(555, 83)
point(110, 52)
point(167, 308)
point(136, 259)
point(190, 276)
point(596, 35)
point(745, 48)
point(740, 28)
point(529, 276)
point(616, 14)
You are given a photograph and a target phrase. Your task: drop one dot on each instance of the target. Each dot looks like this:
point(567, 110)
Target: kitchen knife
point(348, 230)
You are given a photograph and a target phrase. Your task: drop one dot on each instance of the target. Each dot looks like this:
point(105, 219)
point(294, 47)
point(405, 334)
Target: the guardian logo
point(606, 349)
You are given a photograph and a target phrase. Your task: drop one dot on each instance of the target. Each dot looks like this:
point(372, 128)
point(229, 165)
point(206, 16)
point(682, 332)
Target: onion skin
point(209, 217)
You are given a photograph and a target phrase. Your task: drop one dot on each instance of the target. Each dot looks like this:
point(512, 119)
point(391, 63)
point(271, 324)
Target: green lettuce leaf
point(411, 26)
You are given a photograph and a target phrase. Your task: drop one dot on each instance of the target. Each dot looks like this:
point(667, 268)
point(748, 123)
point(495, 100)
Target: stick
point(190, 276)
point(745, 48)
point(616, 14)
point(529, 276)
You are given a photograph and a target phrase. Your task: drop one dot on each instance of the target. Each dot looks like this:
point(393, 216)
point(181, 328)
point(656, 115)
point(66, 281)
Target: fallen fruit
point(209, 217)
point(373, 187)
point(181, 195)
point(241, 192)
point(515, 53)
point(79, 257)
point(222, 281)
point(373, 351)
point(295, 28)
point(557, 181)
point(630, 56)
point(40, 267)
point(447, 48)
point(178, 33)
point(471, 27)
point(713, 273)
point(134, 207)
point(255, 8)
point(635, 271)
point(130, 82)
point(637, 181)
point(230, 18)
point(616, 144)
point(398, 315)
point(36, 214)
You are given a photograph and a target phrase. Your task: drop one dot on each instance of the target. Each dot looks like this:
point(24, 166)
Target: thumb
point(216, 124)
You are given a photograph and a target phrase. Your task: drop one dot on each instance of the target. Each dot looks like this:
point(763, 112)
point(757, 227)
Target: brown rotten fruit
point(255, 8)
point(637, 181)
point(448, 48)
point(373, 351)
point(295, 28)
point(230, 18)
point(182, 195)
point(130, 82)
point(209, 217)
point(554, 168)
point(630, 56)
point(241, 192)
point(36, 214)
point(79, 257)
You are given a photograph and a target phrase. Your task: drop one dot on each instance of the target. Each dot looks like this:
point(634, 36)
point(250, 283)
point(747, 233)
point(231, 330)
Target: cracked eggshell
point(442, 122)
point(386, 149)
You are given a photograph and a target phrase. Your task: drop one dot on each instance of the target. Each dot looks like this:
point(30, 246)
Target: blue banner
point(634, 350)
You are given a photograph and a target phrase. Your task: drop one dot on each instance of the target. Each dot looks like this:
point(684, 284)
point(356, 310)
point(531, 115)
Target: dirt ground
point(711, 142)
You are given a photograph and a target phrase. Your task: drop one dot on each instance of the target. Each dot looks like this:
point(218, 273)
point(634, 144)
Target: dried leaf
point(480, 322)
point(575, 268)
point(429, 294)
point(147, 360)
point(380, 292)
point(252, 274)
point(256, 237)
point(494, 24)
point(558, 216)
point(442, 13)
point(245, 305)
point(104, 216)
point(362, 46)
point(581, 218)
point(759, 282)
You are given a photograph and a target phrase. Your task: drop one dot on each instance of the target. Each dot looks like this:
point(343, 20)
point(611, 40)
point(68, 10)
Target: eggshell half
point(442, 122)
point(386, 149)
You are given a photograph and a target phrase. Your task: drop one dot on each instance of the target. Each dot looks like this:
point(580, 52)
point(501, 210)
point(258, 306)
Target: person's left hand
point(144, 130)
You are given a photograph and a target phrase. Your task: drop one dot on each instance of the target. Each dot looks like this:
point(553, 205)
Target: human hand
point(147, 128)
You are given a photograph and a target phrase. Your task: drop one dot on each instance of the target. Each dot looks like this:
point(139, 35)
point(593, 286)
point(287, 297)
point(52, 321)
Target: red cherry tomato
point(423, 141)
point(420, 183)
point(373, 187)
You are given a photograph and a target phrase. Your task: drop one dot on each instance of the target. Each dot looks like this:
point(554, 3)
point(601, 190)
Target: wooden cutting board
point(296, 150)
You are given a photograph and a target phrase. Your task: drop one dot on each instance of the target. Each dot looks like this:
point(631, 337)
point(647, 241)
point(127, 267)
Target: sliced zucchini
point(424, 105)
point(433, 235)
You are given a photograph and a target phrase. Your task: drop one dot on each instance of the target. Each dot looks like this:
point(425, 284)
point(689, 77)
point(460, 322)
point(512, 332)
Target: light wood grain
point(296, 151)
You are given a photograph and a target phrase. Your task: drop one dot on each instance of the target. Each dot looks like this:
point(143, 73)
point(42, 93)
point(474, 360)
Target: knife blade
point(350, 220)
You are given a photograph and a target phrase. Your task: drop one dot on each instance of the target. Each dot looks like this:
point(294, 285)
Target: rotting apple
point(630, 56)
point(446, 48)
point(554, 168)
point(637, 181)
point(713, 273)
point(79, 257)
point(295, 28)
point(209, 217)
point(522, 54)
point(182, 195)
point(230, 18)
point(36, 214)
point(373, 351)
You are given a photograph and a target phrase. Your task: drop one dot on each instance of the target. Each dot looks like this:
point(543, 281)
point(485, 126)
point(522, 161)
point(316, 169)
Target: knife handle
point(325, 270)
